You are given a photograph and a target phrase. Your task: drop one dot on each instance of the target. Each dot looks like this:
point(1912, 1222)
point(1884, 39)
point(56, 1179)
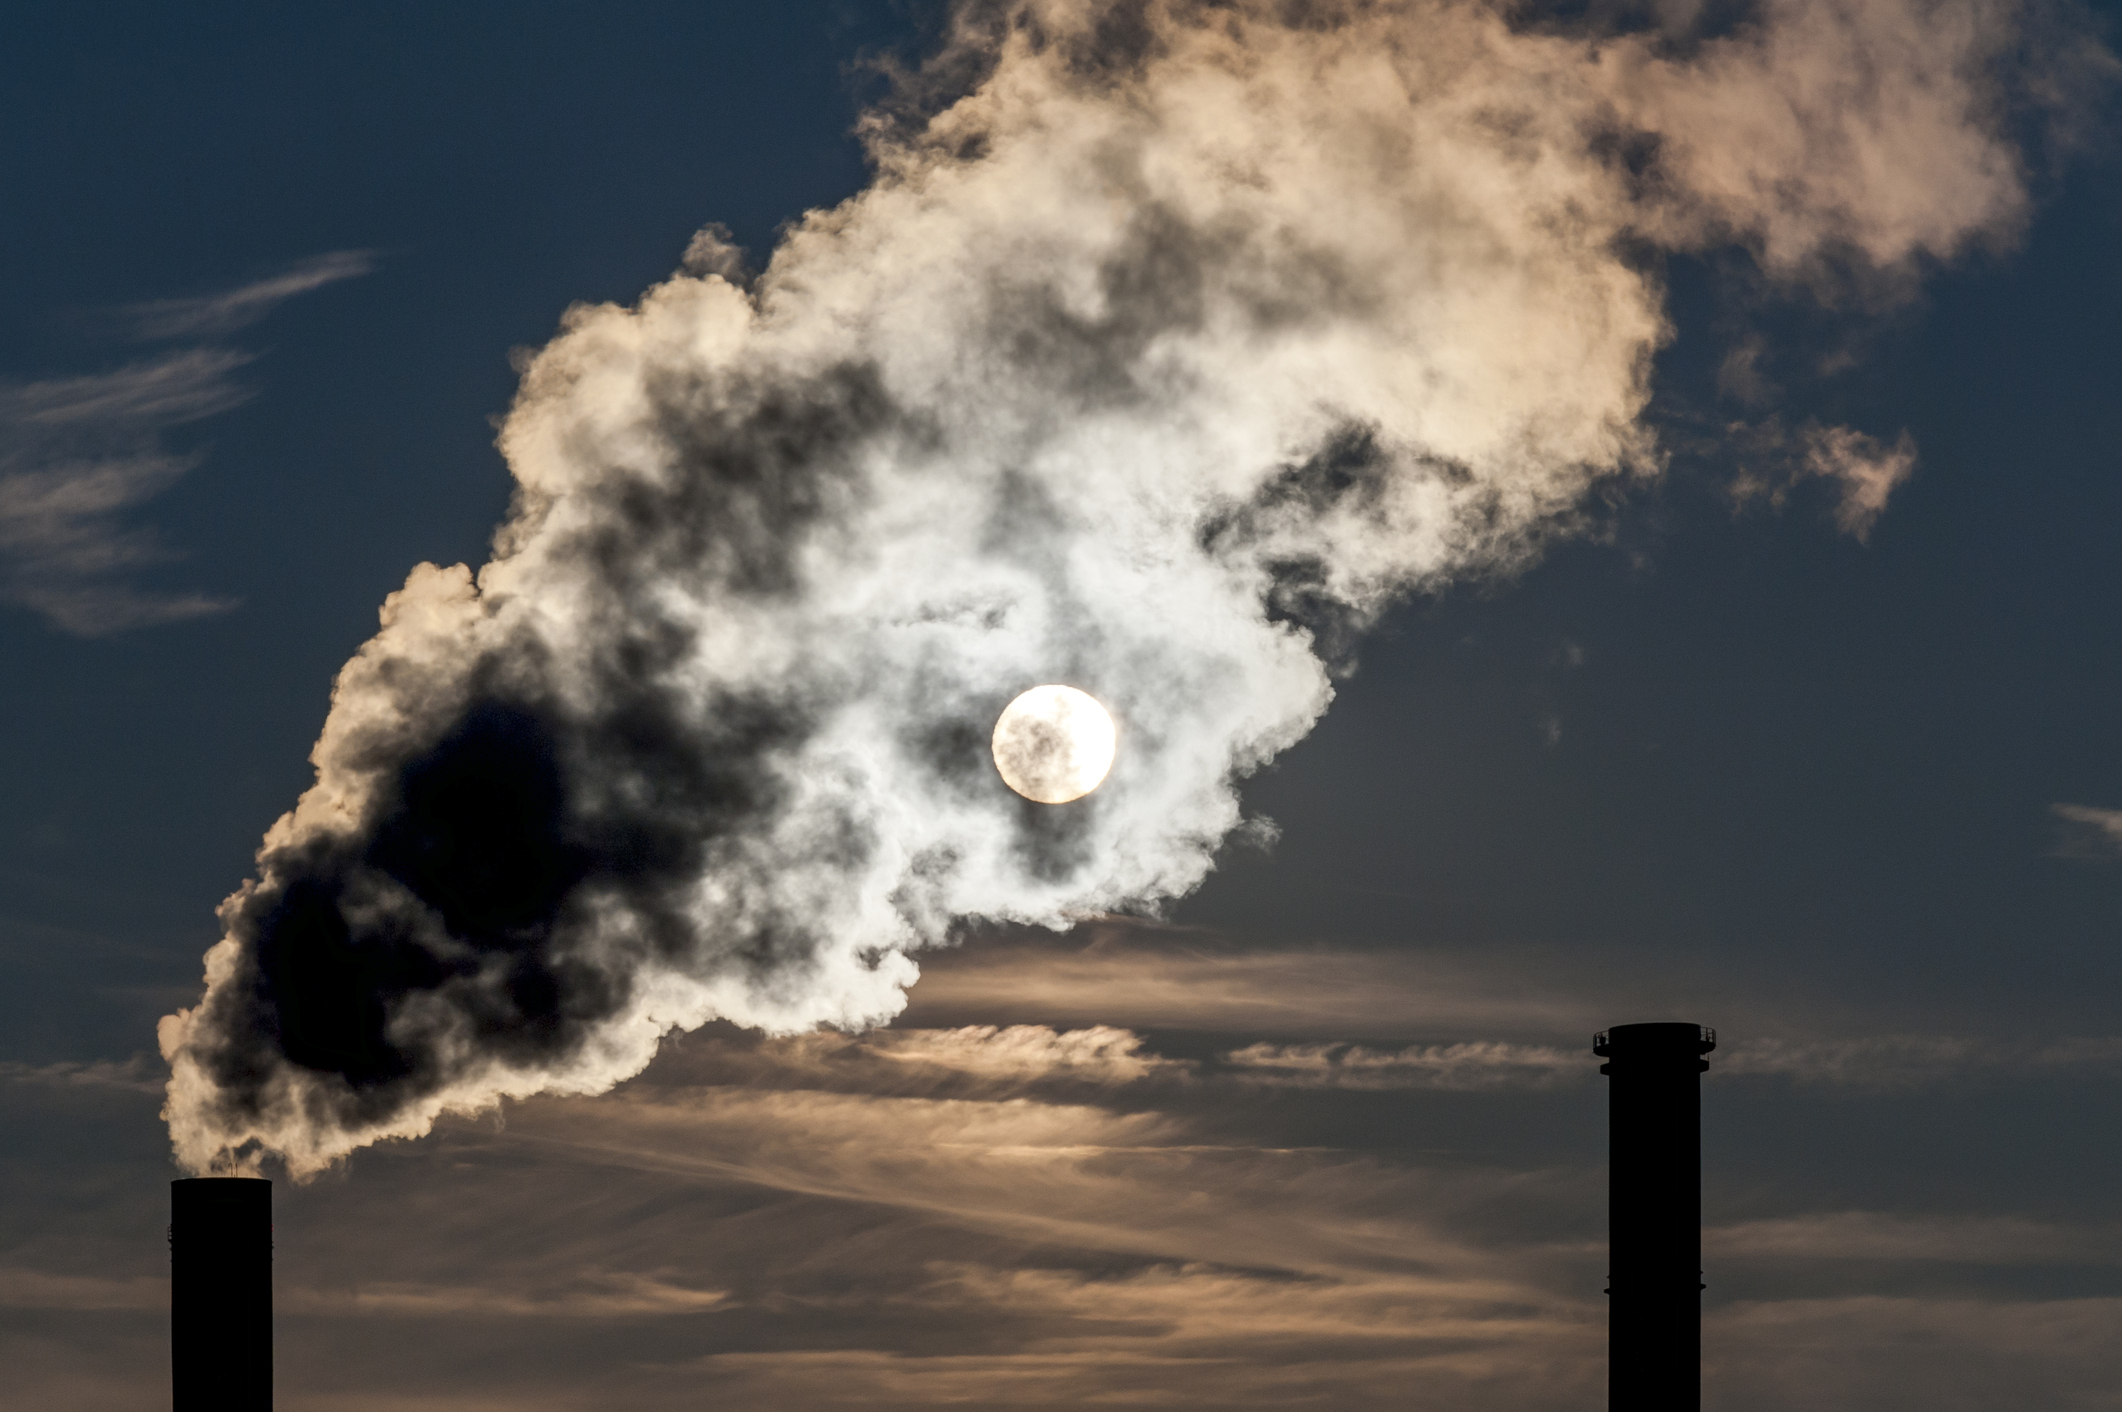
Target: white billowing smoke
point(1172, 351)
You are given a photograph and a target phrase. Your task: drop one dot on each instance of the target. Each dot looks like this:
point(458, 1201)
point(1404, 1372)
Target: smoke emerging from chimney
point(1161, 359)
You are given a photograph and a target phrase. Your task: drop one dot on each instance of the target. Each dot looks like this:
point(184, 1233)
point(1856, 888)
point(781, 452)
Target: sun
point(1054, 744)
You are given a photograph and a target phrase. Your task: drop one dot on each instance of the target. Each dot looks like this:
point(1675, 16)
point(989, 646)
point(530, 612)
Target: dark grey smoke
point(1157, 375)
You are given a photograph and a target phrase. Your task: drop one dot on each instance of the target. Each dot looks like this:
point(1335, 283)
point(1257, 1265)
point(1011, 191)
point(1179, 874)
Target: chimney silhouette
point(221, 1294)
point(1654, 1215)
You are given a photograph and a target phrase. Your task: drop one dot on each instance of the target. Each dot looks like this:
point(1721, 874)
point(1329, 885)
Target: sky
point(1763, 679)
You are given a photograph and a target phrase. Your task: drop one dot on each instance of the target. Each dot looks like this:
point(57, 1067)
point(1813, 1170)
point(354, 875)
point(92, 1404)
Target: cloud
point(75, 455)
point(1012, 1249)
point(1473, 1065)
point(1195, 1257)
point(2097, 832)
point(1043, 1171)
point(1881, 1062)
point(63, 544)
point(1874, 1061)
point(141, 398)
point(211, 315)
point(1956, 1354)
point(1148, 975)
point(613, 1296)
point(78, 455)
point(1904, 1237)
point(1161, 977)
point(1886, 1062)
point(713, 250)
point(1819, 128)
point(139, 1074)
point(37, 1289)
point(1100, 1054)
point(984, 1061)
point(1201, 1336)
point(1019, 1055)
point(1864, 471)
point(988, 1061)
point(1169, 347)
point(1740, 376)
point(1026, 1216)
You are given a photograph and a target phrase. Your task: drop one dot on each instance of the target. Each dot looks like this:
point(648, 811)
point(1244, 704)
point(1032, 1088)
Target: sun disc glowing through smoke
point(1054, 744)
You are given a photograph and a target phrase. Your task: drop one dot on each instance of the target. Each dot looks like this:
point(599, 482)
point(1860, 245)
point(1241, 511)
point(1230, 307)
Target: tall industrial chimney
point(1654, 1215)
point(221, 1294)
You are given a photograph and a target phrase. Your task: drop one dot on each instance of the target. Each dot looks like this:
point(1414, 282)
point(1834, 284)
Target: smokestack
point(221, 1294)
point(1654, 1215)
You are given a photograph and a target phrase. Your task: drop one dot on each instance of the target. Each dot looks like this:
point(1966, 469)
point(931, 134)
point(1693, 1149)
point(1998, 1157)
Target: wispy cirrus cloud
point(1898, 1236)
point(617, 1294)
point(1171, 1239)
point(1044, 1252)
point(1148, 975)
point(77, 454)
point(167, 391)
point(1448, 1066)
point(207, 315)
point(22, 1288)
point(1934, 1351)
point(1027, 1216)
point(1887, 1062)
point(139, 1074)
point(1873, 1062)
point(80, 455)
point(2089, 832)
point(1100, 1053)
point(1314, 1018)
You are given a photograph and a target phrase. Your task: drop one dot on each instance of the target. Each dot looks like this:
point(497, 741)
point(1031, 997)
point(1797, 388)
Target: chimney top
point(1659, 1040)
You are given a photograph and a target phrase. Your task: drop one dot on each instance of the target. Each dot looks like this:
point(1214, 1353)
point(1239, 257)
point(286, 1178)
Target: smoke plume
point(1171, 343)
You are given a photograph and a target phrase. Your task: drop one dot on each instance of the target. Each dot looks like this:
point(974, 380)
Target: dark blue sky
point(1703, 763)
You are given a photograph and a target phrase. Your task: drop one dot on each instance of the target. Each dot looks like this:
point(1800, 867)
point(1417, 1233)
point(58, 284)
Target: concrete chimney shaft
point(1654, 1215)
point(221, 1294)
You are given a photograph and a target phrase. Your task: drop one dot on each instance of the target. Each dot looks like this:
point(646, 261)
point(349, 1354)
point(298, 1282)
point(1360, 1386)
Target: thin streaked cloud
point(81, 456)
point(1100, 1054)
point(1143, 975)
point(616, 1295)
point(1898, 1236)
point(228, 310)
point(1941, 1352)
point(51, 1290)
point(144, 397)
point(1907, 1061)
point(1028, 1216)
point(2089, 832)
point(1447, 1066)
point(139, 1074)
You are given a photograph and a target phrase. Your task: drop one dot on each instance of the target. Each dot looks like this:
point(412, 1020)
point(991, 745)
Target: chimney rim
point(1655, 1037)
